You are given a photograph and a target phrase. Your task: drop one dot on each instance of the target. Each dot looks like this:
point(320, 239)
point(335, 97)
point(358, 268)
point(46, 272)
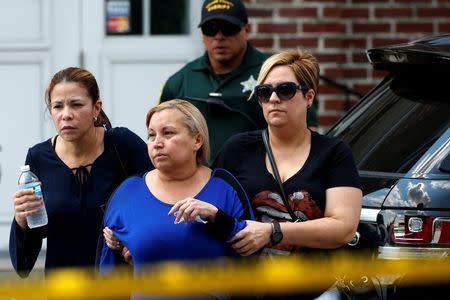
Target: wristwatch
point(276, 235)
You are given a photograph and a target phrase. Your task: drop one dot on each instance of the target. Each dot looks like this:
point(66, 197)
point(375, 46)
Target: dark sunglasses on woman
point(227, 29)
point(284, 91)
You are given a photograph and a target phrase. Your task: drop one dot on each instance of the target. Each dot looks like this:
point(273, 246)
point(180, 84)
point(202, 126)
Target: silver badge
point(248, 85)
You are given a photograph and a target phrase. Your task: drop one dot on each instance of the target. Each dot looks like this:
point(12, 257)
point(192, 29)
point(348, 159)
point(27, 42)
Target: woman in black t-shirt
point(318, 173)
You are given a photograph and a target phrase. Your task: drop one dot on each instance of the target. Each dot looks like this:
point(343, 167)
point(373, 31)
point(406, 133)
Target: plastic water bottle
point(29, 181)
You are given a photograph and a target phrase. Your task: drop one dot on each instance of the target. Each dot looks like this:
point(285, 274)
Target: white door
point(133, 68)
point(25, 65)
point(44, 36)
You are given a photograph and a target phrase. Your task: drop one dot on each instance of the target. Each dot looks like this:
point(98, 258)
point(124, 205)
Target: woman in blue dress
point(79, 168)
point(181, 210)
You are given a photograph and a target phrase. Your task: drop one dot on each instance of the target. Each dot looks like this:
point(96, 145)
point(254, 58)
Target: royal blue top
point(75, 210)
point(141, 222)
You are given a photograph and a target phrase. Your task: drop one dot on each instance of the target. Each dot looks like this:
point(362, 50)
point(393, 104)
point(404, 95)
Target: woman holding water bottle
point(79, 168)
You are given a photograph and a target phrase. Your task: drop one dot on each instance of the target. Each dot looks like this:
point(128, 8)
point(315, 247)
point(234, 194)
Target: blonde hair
point(194, 121)
point(304, 65)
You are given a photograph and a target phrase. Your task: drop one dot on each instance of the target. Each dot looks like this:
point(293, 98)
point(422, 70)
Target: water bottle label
point(38, 190)
point(34, 186)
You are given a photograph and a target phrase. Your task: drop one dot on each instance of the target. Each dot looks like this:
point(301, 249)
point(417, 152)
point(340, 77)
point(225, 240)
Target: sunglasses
point(227, 29)
point(284, 91)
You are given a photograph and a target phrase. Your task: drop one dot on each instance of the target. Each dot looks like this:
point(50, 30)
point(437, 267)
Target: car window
point(397, 122)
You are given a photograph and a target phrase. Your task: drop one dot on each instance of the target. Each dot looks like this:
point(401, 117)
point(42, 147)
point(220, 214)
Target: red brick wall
point(338, 33)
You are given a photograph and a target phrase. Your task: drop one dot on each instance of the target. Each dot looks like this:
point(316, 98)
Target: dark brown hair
point(85, 79)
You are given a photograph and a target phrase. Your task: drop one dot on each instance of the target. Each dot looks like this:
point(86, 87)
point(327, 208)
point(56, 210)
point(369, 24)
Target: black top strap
point(265, 137)
point(54, 142)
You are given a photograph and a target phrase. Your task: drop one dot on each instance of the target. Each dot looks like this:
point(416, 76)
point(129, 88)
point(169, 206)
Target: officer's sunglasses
point(284, 91)
point(227, 29)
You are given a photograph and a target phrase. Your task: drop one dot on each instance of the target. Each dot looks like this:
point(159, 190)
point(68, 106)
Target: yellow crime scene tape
point(238, 277)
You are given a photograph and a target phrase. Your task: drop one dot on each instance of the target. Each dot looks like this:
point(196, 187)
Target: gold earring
point(95, 118)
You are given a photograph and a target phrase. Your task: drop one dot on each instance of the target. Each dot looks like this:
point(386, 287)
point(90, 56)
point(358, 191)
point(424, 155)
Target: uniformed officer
point(219, 82)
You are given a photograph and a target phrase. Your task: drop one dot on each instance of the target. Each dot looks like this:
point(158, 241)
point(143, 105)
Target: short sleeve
point(166, 93)
point(343, 171)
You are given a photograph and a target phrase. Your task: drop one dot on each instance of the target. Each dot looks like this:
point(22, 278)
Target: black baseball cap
point(232, 11)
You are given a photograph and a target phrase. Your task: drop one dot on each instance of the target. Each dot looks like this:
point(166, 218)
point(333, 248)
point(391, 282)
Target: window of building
point(146, 17)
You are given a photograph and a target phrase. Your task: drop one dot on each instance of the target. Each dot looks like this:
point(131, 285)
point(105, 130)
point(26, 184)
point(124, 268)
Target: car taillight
point(410, 229)
point(441, 230)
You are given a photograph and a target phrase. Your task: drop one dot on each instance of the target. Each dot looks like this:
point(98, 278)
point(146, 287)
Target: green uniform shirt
point(196, 81)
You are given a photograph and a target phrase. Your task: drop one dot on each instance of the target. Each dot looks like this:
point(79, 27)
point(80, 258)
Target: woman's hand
point(127, 256)
point(26, 203)
point(111, 240)
point(115, 244)
point(191, 209)
point(252, 238)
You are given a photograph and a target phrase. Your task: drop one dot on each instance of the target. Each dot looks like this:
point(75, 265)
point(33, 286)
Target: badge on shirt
point(248, 85)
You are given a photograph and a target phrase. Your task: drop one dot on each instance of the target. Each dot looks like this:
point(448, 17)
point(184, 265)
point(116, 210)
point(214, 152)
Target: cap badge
point(219, 5)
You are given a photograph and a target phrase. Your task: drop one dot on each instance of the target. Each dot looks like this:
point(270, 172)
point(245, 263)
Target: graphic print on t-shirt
point(269, 207)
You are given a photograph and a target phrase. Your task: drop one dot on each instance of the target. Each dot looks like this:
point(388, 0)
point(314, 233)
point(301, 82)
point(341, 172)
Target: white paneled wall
point(24, 69)
point(127, 101)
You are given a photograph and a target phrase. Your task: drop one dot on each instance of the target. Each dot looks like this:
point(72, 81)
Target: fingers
point(108, 233)
point(175, 208)
point(244, 243)
point(238, 236)
point(116, 246)
point(246, 246)
point(127, 255)
point(25, 203)
point(20, 193)
point(252, 238)
point(248, 252)
point(26, 200)
point(185, 212)
point(112, 241)
point(190, 210)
